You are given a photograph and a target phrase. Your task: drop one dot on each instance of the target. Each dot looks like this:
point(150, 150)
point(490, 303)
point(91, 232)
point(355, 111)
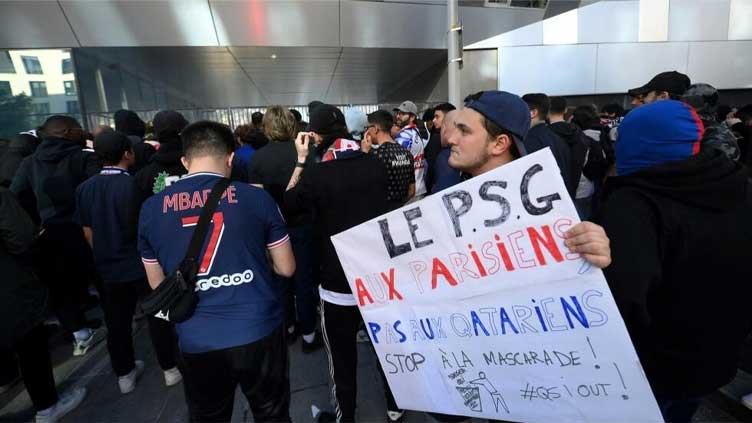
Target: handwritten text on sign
point(476, 307)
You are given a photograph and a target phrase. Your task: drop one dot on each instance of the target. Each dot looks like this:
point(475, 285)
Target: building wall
point(52, 75)
point(611, 46)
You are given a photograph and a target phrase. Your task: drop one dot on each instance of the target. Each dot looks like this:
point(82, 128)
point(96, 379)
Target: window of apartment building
point(72, 107)
point(67, 66)
point(32, 65)
point(40, 108)
point(38, 88)
point(70, 87)
point(5, 90)
point(6, 64)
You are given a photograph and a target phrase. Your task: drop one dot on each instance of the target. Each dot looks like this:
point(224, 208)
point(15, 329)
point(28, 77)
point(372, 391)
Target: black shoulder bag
point(175, 298)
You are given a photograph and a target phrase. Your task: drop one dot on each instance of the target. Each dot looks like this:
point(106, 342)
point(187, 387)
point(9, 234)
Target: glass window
point(72, 107)
point(70, 87)
point(38, 88)
point(6, 64)
point(40, 108)
point(32, 65)
point(67, 66)
point(5, 90)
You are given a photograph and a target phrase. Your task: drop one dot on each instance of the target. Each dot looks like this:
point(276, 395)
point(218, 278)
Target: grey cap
point(407, 107)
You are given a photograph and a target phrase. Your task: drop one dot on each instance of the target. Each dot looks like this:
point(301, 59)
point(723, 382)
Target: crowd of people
point(663, 193)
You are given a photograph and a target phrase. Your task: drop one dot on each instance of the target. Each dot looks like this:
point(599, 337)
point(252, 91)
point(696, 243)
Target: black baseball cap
point(672, 82)
point(326, 119)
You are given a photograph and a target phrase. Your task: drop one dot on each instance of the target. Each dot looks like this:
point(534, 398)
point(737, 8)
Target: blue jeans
point(301, 296)
point(678, 411)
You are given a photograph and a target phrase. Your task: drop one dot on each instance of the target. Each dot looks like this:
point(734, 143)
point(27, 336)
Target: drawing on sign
point(495, 395)
point(471, 397)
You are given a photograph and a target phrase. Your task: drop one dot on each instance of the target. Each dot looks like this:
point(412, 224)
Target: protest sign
point(476, 307)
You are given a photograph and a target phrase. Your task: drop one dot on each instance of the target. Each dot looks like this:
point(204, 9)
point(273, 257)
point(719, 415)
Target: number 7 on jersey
point(218, 227)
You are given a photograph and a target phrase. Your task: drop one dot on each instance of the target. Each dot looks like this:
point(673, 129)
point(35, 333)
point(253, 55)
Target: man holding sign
point(482, 300)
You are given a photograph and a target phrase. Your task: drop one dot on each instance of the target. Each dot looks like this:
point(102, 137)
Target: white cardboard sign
point(476, 307)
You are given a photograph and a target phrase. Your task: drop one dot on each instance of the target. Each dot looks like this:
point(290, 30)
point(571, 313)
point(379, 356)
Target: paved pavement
point(153, 402)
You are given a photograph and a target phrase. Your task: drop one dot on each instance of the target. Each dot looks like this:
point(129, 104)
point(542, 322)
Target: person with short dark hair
point(396, 158)
point(107, 207)
point(235, 336)
point(51, 175)
point(678, 219)
point(540, 136)
point(434, 146)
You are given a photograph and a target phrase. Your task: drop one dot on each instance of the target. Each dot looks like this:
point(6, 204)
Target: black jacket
point(53, 173)
point(19, 148)
point(577, 144)
point(163, 169)
point(681, 243)
point(340, 201)
point(540, 137)
point(22, 297)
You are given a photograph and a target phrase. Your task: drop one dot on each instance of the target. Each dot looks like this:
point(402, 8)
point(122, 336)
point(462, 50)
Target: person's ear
point(500, 145)
point(185, 162)
point(230, 159)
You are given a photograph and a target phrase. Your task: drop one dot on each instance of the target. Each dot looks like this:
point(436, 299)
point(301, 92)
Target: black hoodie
point(681, 243)
point(163, 169)
point(52, 173)
point(578, 147)
point(23, 145)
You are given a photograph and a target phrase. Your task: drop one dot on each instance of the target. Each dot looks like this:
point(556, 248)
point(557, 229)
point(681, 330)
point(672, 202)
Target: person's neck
point(122, 166)
point(492, 164)
point(207, 165)
point(556, 118)
point(383, 140)
point(535, 122)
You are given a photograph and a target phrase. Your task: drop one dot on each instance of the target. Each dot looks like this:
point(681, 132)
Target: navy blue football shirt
point(238, 302)
point(108, 203)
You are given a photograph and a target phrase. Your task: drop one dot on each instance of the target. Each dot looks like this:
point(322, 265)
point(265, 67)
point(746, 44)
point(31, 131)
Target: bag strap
point(202, 227)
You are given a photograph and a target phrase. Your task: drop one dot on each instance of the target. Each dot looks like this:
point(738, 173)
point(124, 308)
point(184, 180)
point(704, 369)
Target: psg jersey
point(238, 299)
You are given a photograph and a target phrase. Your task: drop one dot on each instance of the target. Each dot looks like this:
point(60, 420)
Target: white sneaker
point(67, 403)
point(127, 383)
point(81, 346)
point(747, 401)
point(395, 416)
point(172, 376)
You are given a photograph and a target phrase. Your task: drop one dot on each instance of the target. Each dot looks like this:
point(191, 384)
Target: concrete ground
point(153, 402)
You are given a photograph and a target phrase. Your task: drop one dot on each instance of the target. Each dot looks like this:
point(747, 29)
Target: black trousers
point(32, 355)
point(61, 261)
point(340, 328)
point(260, 368)
point(119, 304)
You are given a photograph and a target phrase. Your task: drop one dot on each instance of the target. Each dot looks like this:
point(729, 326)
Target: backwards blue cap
point(657, 133)
point(506, 110)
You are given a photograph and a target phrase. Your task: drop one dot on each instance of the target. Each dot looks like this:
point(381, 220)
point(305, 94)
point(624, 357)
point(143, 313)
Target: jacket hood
point(169, 153)
point(129, 123)
point(709, 180)
point(55, 149)
point(565, 131)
